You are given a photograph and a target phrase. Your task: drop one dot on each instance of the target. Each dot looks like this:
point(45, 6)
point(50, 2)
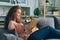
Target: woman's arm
point(11, 28)
point(11, 25)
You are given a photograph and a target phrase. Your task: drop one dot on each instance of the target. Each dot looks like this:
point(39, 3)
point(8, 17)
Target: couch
point(52, 21)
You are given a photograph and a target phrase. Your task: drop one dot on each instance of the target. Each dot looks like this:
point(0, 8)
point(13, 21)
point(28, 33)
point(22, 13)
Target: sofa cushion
point(45, 21)
point(10, 36)
point(57, 22)
point(2, 37)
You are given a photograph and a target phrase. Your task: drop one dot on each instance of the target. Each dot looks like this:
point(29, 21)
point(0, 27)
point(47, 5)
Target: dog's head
point(28, 19)
point(31, 23)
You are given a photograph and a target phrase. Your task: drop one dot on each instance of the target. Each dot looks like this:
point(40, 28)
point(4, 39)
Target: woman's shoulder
point(11, 21)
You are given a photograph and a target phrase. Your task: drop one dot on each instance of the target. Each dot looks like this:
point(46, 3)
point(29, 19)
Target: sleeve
point(11, 25)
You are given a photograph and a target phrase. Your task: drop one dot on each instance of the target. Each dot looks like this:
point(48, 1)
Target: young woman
point(13, 22)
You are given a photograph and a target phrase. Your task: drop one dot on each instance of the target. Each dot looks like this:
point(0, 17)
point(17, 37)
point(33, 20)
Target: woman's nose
point(20, 15)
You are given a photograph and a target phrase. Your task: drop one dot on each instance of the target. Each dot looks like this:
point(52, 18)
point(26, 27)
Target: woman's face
point(18, 14)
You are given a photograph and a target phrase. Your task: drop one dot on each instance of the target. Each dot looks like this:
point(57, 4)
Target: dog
point(31, 23)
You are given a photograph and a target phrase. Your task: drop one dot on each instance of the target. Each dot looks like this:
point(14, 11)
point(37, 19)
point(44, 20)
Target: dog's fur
point(32, 23)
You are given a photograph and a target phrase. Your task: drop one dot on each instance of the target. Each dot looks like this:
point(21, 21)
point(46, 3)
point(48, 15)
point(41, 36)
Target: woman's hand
point(24, 36)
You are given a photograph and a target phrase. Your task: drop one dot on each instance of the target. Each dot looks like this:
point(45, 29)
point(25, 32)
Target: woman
point(13, 22)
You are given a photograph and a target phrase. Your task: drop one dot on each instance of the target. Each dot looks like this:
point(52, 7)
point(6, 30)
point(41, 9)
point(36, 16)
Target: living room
point(43, 11)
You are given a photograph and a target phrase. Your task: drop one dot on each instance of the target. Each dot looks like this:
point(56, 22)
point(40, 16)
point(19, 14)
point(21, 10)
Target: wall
point(33, 4)
point(57, 3)
point(4, 10)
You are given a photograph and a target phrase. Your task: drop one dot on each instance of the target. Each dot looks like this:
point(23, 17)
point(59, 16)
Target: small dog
point(31, 23)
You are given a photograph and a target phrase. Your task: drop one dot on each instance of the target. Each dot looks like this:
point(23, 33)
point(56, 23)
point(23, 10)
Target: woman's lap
point(43, 33)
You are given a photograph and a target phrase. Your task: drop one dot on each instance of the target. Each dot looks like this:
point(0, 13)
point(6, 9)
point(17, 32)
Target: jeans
point(45, 33)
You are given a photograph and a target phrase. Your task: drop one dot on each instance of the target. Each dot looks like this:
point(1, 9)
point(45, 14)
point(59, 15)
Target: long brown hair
point(10, 15)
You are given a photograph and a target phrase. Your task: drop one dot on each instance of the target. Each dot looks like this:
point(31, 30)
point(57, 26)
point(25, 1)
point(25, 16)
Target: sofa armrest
point(10, 36)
